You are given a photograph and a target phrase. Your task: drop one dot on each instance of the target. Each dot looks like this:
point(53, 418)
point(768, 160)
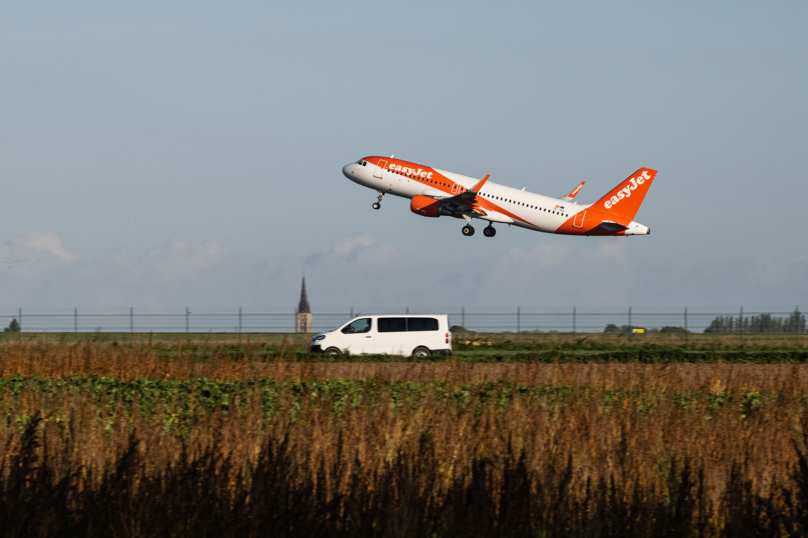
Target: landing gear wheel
point(489, 231)
point(332, 351)
point(468, 231)
point(378, 203)
point(421, 351)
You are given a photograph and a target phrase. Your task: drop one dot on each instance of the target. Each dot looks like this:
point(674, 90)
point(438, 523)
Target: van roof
point(401, 315)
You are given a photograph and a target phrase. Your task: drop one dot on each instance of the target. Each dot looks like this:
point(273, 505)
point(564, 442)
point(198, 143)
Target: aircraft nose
point(347, 169)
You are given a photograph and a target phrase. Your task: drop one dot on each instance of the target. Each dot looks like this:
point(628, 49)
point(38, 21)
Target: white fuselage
point(540, 213)
point(436, 192)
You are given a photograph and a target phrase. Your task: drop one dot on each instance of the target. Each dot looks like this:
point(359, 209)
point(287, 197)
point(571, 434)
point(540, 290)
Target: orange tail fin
point(624, 200)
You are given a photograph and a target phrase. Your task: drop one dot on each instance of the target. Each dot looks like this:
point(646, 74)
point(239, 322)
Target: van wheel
point(332, 351)
point(421, 351)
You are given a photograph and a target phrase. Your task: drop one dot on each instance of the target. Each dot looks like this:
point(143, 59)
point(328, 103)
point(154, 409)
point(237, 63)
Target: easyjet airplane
point(436, 192)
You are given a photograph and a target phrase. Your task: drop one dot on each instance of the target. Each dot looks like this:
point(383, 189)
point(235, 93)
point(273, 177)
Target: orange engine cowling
point(425, 206)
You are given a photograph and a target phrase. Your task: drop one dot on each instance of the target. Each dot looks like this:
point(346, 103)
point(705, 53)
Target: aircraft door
point(378, 172)
point(579, 219)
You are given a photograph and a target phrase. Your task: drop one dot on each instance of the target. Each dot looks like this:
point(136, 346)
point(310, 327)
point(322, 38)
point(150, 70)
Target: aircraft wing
point(468, 199)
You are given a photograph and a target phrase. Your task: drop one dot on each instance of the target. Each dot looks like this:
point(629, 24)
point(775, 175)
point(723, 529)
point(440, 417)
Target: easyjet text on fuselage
point(420, 172)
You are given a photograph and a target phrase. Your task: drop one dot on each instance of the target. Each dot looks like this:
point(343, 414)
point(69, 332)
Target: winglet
point(573, 193)
point(478, 186)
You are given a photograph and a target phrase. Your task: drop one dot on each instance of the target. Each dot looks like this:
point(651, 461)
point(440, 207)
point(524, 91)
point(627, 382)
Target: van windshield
point(358, 326)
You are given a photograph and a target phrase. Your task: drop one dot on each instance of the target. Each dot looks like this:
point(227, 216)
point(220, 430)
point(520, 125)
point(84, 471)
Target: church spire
point(303, 307)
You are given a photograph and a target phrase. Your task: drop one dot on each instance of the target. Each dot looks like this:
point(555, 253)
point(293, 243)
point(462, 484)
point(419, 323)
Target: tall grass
point(190, 360)
point(102, 440)
point(190, 357)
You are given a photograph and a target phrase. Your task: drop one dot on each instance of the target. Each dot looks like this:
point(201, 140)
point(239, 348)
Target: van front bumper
point(315, 348)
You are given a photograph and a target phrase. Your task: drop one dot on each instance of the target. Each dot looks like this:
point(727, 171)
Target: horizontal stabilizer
point(612, 226)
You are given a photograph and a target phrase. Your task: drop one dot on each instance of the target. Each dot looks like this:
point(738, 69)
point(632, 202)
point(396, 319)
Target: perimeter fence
point(776, 320)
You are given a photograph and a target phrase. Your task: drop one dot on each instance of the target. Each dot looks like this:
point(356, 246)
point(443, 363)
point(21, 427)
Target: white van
point(407, 335)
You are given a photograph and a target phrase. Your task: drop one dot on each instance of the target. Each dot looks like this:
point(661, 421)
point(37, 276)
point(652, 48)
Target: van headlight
point(319, 337)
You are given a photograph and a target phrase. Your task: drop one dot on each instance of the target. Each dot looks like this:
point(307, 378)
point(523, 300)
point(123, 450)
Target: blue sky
point(171, 153)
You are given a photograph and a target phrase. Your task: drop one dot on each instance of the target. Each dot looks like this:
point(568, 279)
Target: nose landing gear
point(468, 230)
point(377, 205)
point(489, 231)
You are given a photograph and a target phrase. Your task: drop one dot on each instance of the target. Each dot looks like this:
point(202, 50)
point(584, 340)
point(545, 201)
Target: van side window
point(422, 324)
point(358, 326)
point(392, 325)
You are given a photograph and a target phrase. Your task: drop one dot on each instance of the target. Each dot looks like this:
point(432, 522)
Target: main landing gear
point(488, 231)
point(378, 204)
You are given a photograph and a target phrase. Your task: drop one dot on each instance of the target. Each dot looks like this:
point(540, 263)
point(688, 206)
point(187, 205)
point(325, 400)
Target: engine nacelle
point(428, 207)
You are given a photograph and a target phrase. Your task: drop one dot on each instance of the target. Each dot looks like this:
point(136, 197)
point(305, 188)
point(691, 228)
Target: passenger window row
point(434, 182)
point(393, 325)
point(525, 205)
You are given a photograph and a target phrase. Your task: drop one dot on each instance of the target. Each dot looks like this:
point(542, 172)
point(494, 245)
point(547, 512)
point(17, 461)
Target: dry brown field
point(182, 361)
point(100, 438)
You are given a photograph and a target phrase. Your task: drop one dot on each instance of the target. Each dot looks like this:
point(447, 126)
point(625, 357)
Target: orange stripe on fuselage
point(491, 206)
point(431, 178)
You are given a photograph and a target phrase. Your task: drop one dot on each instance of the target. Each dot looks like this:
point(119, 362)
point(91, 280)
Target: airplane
point(435, 193)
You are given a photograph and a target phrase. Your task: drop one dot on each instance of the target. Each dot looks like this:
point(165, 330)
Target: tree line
point(794, 323)
point(762, 324)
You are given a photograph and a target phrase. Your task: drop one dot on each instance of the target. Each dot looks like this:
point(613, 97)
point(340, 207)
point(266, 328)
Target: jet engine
point(428, 207)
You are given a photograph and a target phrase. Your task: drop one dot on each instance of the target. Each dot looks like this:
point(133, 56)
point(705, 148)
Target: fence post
point(797, 325)
point(463, 316)
point(187, 320)
point(75, 320)
point(239, 325)
point(518, 319)
point(574, 325)
point(20, 317)
point(132, 320)
point(686, 331)
point(741, 327)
